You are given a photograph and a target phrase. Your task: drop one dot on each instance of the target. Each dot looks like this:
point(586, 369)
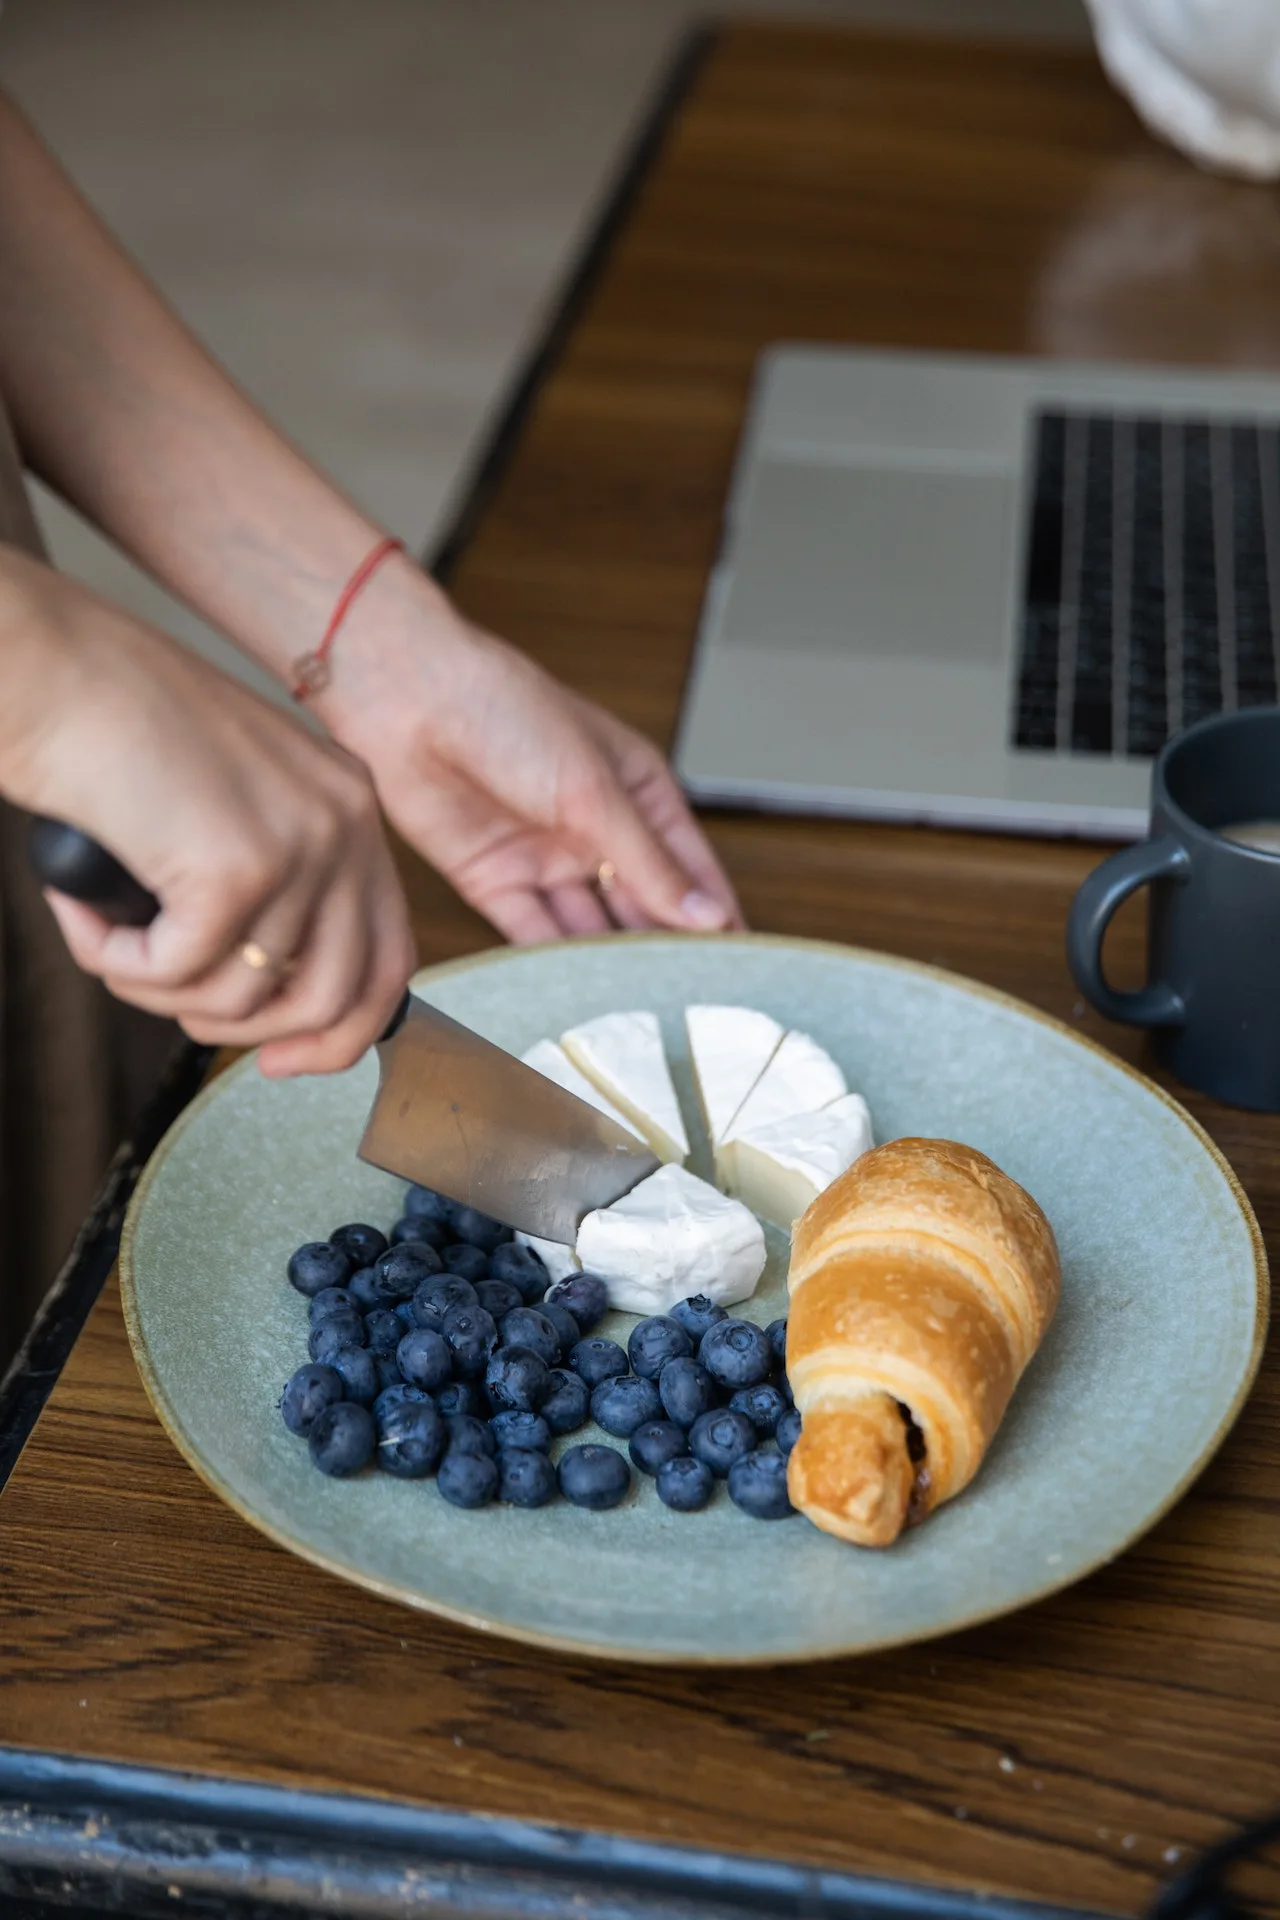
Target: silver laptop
point(982, 592)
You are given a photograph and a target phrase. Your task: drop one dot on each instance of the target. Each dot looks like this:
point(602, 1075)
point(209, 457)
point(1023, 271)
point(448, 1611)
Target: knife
point(452, 1112)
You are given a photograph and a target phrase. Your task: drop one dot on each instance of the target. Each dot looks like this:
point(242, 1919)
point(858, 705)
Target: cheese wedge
point(559, 1261)
point(623, 1057)
point(779, 1170)
point(554, 1063)
point(672, 1236)
point(730, 1047)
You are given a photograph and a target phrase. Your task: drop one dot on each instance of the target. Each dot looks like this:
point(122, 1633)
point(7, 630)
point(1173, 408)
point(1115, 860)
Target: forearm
point(120, 410)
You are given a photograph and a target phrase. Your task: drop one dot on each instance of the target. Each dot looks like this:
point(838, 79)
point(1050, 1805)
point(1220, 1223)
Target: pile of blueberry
point(444, 1351)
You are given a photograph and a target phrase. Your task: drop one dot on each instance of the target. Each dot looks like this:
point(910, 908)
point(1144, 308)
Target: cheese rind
point(622, 1055)
point(800, 1078)
point(779, 1170)
point(730, 1047)
point(672, 1236)
point(560, 1261)
point(553, 1063)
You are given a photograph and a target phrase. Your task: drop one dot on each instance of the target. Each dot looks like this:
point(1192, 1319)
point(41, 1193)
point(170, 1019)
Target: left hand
point(548, 815)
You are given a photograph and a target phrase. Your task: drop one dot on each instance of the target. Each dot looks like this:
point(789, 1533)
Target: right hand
point(245, 826)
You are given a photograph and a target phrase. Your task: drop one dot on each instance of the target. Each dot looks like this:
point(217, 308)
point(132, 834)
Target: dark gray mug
point(1213, 995)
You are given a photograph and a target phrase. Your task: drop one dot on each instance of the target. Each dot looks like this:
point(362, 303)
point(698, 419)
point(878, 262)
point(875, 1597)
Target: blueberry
point(328, 1300)
point(471, 1336)
point(567, 1329)
point(758, 1484)
point(388, 1371)
point(435, 1297)
point(517, 1379)
point(720, 1438)
point(498, 1297)
point(736, 1353)
point(685, 1484)
point(521, 1268)
point(335, 1331)
point(403, 1311)
point(416, 1226)
point(655, 1341)
point(402, 1269)
point(594, 1477)
point(787, 1431)
point(763, 1406)
point(342, 1439)
point(398, 1396)
point(527, 1430)
point(479, 1230)
point(565, 1401)
point(525, 1479)
point(585, 1295)
point(468, 1479)
point(687, 1391)
point(359, 1371)
point(363, 1288)
point(423, 1359)
point(308, 1393)
point(384, 1331)
point(469, 1435)
point(776, 1334)
point(425, 1203)
point(621, 1405)
point(411, 1440)
point(467, 1261)
point(654, 1443)
point(318, 1265)
point(595, 1360)
point(697, 1315)
point(527, 1327)
point(361, 1244)
point(461, 1396)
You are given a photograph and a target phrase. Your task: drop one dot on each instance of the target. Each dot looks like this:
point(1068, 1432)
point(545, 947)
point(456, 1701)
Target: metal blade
point(458, 1114)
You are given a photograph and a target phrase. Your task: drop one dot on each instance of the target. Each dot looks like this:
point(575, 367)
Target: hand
point(516, 789)
point(245, 827)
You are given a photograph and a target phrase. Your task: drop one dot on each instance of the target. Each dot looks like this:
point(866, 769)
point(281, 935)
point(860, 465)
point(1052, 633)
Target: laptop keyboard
point(1152, 592)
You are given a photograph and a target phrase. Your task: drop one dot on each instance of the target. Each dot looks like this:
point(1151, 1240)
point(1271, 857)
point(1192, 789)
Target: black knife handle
point(69, 861)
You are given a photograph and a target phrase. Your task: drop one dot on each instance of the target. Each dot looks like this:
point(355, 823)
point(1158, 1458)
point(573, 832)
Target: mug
point(1213, 993)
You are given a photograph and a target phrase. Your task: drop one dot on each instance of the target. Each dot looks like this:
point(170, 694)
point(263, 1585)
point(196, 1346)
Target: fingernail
point(700, 910)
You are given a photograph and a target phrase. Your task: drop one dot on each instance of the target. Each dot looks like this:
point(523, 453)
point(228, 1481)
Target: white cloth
point(1203, 74)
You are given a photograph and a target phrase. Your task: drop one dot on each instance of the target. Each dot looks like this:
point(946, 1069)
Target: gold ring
point(257, 957)
point(606, 876)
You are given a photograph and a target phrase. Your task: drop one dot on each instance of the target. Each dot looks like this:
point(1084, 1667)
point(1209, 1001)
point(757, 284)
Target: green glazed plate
point(1154, 1348)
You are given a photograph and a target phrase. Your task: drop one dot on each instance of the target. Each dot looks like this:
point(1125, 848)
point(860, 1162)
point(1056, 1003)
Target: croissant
point(922, 1281)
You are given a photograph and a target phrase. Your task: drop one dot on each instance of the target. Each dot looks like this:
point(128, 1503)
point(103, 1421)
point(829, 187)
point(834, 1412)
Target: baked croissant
point(922, 1282)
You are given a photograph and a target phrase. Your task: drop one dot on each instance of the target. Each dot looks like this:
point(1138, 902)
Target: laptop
point(983, 592)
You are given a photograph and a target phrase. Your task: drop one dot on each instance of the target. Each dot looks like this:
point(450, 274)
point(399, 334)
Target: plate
point(1153, 1350)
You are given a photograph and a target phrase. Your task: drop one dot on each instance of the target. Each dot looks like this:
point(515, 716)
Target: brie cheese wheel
point(800, 1078)
point(779, 1170)
point(672, 1236)
point(730, 1048)
point(553, 1063)
point(560, 1261)
point(623, 1056)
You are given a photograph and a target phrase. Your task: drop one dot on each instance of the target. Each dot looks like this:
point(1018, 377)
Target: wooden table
point(812, 185)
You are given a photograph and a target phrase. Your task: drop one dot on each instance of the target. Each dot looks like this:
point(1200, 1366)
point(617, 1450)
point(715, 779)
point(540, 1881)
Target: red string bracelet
point(311, 670)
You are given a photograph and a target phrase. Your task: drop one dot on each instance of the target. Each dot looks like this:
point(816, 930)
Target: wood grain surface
point(831, 187)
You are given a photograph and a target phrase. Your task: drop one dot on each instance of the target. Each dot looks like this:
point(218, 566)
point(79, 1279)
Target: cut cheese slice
point(553, 1063)
point(779, 1170)
point(560, 1261)
point(730, 1047)
point(672, 1236)
point(623, 1056)
point(800, 1078)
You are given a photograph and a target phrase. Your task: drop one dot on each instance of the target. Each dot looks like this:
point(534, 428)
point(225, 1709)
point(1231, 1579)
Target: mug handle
point(1106, 888)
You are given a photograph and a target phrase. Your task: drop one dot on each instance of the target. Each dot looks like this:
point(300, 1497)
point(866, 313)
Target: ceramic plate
point(1155, 1345)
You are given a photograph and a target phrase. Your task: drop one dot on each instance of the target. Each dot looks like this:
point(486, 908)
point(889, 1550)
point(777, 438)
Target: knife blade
point(452, 1111)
